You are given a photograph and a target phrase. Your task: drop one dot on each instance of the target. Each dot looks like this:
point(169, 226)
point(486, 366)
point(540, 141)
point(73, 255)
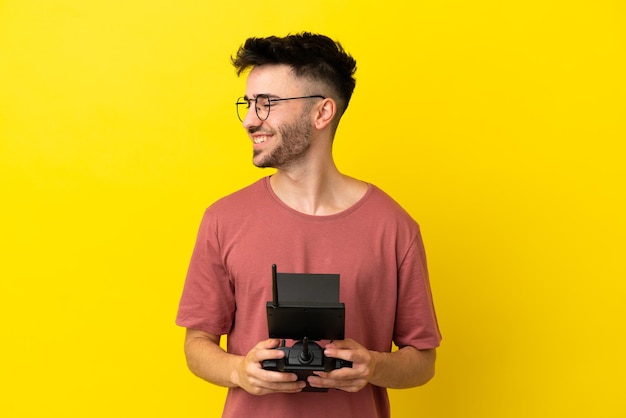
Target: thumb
point(269, 343)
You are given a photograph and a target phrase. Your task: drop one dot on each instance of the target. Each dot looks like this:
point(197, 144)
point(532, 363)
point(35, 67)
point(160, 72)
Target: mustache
point(257, 129)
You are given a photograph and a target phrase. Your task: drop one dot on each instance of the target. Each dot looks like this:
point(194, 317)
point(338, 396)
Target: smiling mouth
point(260, 139)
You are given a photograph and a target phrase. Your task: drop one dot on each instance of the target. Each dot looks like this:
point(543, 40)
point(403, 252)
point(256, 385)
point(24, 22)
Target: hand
point(251, 377)
point(347, 379)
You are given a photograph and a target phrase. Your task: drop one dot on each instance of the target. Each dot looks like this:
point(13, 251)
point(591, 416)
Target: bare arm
point(207, 360)
point(405, 368)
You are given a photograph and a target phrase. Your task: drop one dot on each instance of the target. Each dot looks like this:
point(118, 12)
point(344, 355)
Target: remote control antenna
point(274, 286)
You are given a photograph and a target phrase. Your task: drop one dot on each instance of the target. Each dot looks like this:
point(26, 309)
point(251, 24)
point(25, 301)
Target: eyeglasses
point(263, 104)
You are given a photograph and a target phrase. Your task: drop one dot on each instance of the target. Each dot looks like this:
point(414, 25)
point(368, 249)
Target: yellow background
point(500, 126)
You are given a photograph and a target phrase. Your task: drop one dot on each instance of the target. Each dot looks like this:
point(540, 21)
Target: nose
point(251, 120)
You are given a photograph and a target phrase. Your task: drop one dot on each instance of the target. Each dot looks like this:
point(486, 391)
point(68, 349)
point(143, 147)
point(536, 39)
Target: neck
point(316, 189)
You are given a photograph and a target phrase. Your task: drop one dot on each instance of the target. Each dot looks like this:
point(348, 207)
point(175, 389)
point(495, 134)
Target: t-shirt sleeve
point(416, 321)
point(207, 302)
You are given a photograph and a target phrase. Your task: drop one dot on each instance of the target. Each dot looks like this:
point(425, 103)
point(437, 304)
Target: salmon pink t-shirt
point(376, 248)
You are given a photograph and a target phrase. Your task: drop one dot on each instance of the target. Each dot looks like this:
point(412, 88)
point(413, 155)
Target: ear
point(325, 114)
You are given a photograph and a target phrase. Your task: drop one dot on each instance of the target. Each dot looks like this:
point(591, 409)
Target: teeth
point(259, 139)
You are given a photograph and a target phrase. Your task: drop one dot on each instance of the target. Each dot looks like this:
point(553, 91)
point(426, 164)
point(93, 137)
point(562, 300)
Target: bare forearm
point(207, 360)
point(404, 368)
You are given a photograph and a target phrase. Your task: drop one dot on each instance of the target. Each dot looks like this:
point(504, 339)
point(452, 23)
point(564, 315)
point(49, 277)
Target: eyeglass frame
point(245, 101)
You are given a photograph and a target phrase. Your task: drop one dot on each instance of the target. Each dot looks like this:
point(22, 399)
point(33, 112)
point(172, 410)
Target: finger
point(340, 353)
point(348, 385)
point(342, 344)
point(269, 354)
point(272, 376)
point(281, 382)
point(266, 350)
point(293, 387)
point(261, 387)
point(269, 343)
point(261, 381)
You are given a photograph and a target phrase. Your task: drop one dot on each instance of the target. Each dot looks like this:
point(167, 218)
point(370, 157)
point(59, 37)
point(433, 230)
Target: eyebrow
point(269, 95)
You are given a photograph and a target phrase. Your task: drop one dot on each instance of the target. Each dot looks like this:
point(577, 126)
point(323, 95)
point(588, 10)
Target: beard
point(295, 141)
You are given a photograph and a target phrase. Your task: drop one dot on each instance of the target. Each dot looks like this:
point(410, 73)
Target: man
point(306, 218)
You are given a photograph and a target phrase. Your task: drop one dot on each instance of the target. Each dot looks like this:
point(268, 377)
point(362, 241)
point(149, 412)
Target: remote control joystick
point(305, 357)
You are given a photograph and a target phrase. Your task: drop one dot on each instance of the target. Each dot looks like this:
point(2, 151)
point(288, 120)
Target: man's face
point(285, 137)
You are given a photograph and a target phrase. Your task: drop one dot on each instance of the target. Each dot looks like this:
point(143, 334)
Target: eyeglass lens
point(261, 106)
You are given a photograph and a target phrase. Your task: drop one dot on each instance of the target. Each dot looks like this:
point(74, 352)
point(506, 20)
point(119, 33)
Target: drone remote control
point(308, 315)
point(304, 358)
